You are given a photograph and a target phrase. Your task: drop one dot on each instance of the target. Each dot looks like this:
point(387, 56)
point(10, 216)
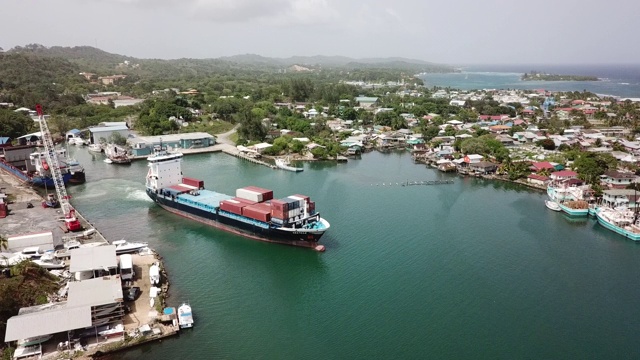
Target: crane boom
point(71, 221)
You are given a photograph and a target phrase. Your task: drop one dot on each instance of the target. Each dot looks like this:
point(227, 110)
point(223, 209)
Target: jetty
point(414, 183)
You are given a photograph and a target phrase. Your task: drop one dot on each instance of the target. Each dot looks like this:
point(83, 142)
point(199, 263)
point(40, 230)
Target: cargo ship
point(252, 212)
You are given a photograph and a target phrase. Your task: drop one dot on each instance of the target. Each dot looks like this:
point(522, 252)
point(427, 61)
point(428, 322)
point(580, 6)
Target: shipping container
point(266, 193)
point(245, 193)
point(312, 207)
point(293, 203)
point(193, 182)
point(256, 212)
point(244, 201)
point(279, 205)
point(279, 214)
point(232, 206)
point(303, 197)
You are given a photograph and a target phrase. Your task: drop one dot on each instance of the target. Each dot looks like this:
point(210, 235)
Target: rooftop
point(47, 322)
point(93, 258)
point(94, 292)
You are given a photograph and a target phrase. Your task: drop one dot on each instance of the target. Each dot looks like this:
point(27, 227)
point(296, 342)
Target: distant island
point(538, 76)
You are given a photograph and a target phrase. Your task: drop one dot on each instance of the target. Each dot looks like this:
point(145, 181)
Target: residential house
point(483, 167)
point(620, 198)
point(563, 175)
point(541, 166)
point(614, 179)
point(536, 179)
point(473, 158)
point(366, 102)
point(110, 80)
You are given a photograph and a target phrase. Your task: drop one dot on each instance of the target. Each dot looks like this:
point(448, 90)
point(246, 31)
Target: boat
point(623, 222)
point(111, 330)
point(116, 154)
point(253, 213)
point(154, 274)
point(50, 201)
point(34, 340)
point(552, 205)
point(185, 318)
point(72, 171)
point(123, 246)
point(49, 261)
point(97, 148)
point(285, 164)
point(575, 208)
point(108, 161)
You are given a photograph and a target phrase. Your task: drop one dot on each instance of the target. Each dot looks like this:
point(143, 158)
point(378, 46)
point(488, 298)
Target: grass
point(234, 137)
point(209, 126)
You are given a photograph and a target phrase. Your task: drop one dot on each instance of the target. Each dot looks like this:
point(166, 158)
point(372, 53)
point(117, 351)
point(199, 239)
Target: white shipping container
point(43, 240)
point(250, 195)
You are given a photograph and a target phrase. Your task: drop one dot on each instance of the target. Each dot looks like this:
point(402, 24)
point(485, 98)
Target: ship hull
point(297, 237)
point(606, 224)
point(47, 181)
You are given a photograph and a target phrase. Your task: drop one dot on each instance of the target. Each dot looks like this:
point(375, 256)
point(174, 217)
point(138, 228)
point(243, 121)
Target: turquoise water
point(478, 269)
point(616, 80)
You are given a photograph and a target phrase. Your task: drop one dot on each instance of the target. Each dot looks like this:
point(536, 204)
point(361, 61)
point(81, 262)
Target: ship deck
point(205, 199)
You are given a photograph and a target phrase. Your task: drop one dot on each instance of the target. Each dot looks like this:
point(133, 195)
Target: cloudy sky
point(446, 31)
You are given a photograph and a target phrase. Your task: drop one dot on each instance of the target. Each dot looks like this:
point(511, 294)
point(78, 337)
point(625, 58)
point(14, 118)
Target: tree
point(117, 139)
point(547, 144)
point(14, 124)
point(474, 146)
point(4, 243)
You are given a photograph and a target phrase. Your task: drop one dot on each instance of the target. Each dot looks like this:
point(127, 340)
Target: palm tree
point(4, 243)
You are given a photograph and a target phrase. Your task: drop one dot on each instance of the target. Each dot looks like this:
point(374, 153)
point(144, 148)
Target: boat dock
point(237, 153)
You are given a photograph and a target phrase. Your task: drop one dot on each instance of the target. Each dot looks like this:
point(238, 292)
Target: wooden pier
point(235, 152)
point(413, 183)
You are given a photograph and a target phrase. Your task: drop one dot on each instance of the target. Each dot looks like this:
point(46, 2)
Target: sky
point(444, 31)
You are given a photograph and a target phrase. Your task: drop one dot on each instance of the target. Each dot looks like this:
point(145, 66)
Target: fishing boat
point(185, 318)
point(112, 331)
point(72, 171)
point(285, 164)
point(252, 213)
point(623, 222)
point(154, 274)
point(552, 205)
point(123, 246)
point(575, 208)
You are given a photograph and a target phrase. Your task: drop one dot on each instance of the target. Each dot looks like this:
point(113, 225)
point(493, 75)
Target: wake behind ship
point(252, 213)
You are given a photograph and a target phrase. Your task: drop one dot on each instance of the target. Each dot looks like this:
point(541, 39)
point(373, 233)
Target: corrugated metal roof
point(94, 292)
point(108, 128)
point(47, 322)
point(93, 258)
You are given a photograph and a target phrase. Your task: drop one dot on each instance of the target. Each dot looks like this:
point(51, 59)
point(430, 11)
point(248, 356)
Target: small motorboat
point(552, 205)
point(185, 318)
point(123, 246)
point(285, 164)
point(97, 148)
point(154, 274)
point(34, 340)
point(49, 261)
point(108, 161)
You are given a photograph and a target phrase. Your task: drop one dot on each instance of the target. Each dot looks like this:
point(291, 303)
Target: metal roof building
point(93, 258)
point(95, 292)
point(47, 322)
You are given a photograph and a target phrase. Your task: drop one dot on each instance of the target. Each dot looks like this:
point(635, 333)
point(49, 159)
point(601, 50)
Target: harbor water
point(477, 269)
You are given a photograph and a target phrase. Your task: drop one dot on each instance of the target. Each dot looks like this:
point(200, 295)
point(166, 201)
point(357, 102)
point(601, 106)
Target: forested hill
point(95, 60)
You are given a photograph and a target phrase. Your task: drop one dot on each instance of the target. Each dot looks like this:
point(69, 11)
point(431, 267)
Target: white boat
point(123, 246)
point(108, 161)
point(552, 205)
point(95, 148)
point(285, 164)
point(112, 331)
point(49, 261)
point(185, 318)
point(154, 274)
point(34, 340)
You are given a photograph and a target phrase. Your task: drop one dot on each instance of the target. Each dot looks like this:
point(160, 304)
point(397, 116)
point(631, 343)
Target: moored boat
point(552, 205)
point(71, 170)
point(575, 208)
point(620, 222)
point(123, 246)
point(34, 340)
point(252, 213)
point(97, 148)
point(285, 164)
point(185, 317)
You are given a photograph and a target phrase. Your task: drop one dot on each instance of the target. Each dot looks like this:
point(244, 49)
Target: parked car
point(131, 294)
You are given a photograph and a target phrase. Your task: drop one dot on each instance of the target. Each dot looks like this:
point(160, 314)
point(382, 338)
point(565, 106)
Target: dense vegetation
point(537, 76)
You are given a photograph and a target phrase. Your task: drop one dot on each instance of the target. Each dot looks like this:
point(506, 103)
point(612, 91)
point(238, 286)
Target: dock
point(415, 183)
point(237, 153)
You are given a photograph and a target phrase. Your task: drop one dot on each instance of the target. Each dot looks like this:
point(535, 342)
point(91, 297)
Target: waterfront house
point(536, 179)
point(614, 179)
point(563, 175)
point(620, 198)
point(98, 132)
point(473, 158)
point(483, 167)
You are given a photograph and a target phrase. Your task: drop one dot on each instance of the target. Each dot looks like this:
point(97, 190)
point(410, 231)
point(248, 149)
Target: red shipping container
point(279, 205)
point(279, 214)
point(257, 213)
point(312, 207)
point(232, 206)
point(266, 193)
point(193, 182)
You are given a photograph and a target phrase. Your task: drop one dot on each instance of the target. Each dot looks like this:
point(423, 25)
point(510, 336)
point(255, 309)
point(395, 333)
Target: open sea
point(474, 270)
point(615, 80)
